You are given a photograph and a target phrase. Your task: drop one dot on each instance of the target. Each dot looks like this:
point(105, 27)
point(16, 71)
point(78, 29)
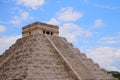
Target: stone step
point(49, 66)
point(93, 67)
point(71, 58)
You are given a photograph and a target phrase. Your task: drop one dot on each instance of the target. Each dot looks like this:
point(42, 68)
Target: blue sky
point(93, 26)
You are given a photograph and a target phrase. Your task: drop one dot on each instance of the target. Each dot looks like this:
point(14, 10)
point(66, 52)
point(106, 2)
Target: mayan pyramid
point(41, 54)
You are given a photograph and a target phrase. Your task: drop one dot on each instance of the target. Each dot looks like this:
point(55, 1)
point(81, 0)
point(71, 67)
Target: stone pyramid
point(41, 54)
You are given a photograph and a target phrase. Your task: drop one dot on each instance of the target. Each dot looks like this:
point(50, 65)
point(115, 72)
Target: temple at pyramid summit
point(41, 54)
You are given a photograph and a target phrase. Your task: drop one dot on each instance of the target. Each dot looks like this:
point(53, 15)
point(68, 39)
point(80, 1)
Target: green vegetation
point(115, 74)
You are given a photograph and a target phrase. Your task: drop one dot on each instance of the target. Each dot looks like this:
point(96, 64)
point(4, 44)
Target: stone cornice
point(40, 23)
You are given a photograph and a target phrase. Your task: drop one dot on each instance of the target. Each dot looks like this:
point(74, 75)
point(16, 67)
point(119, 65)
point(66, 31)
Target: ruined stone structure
point(41, 54)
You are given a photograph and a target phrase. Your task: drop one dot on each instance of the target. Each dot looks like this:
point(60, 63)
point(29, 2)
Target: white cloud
point(23, 16)
point(68, 14)
point(34, 4)
point(98, 23)
point(110, 40)
point(107, 38)
point(72, 32)
point(2, 28)
point(6, 42)
point(106, 57)
point(53, 21)
point(65, 15)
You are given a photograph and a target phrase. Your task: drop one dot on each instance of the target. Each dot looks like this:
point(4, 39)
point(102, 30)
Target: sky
point(93, 26)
